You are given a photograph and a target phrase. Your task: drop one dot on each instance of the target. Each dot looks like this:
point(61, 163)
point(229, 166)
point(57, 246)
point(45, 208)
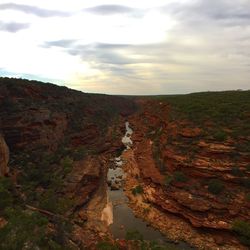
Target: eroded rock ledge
point(185, 209)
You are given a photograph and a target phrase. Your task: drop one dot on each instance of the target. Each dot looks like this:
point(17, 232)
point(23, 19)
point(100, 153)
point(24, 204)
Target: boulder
point(115, 186)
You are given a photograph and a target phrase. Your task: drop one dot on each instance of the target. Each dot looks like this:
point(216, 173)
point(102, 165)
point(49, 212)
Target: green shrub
point(63, 229)
point(237, 172)
point(48, 201)
point(242, 228)
point(79, 153)
point(215, 186)
point(133, 235)
point(104, 245)
point(137, 190)
point(28, 230)
point(67, 164)
point(5, 193)
point(246, 182)
point(153, 245)
point(180, 176)
point(248, 197)
point(64, 204)
point(220, 136)
point(6, 199)
point(51, 202)
point(23, 228)
point(146, 210)
point(168, 180)
point(248, 168)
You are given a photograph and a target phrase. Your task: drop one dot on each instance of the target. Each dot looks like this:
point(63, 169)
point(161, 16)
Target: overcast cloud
point(109, 9)
point(34, 10)
point(128, 47)
point(13, 26)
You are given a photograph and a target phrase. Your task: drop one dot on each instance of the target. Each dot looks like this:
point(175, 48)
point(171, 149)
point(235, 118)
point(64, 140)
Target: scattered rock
point(115, 186)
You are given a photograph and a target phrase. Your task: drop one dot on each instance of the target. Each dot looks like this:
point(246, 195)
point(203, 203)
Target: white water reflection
point(126, 139)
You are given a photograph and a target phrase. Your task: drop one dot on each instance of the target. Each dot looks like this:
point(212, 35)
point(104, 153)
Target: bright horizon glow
point(128, 47)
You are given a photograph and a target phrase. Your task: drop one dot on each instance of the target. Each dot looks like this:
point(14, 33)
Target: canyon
point(186, 165)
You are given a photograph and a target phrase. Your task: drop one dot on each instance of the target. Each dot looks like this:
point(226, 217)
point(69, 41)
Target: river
point(122, 218)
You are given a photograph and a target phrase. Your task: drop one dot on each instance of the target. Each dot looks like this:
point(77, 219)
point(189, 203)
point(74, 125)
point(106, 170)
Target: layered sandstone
point(163, 148)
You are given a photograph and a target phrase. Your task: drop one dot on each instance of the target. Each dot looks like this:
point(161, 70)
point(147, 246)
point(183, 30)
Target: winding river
point(121, 216)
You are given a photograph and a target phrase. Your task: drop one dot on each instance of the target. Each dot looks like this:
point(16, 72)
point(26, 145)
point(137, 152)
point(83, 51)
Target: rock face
point(38, 115)
point(35, 126)
point(4, 157)
point(59, 139)
point(176, 163)
point(83, 180)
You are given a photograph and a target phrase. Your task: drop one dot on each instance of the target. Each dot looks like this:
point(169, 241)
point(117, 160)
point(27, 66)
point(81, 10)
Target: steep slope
point(59, 140)
point(188, 171)
point(192, 158)
point(42, 114)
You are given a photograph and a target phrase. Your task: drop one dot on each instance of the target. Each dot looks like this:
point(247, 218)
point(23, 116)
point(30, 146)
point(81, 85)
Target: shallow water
point(123, 217)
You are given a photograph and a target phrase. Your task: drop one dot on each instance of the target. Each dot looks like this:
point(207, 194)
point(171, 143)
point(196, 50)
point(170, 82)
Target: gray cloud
point(221, 11)
point(63, 43)
point(101, 56)
point(28, 9)
point(110, 9)
point(224, 9)
point(107, 58)
point(13, 27)
point(101, 52)
point(207, 49)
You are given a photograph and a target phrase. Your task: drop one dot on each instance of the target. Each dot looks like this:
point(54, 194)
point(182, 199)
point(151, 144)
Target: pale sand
point(107, 213)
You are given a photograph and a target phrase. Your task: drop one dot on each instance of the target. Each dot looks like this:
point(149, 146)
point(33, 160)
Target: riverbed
point(121, 216)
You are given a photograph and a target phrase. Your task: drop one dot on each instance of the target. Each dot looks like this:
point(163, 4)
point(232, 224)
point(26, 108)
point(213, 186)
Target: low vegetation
point(229, 107)
point(227, 113)
point(215, 186)
point(133, 235)
point(246, 182)
point(237, 172)
point(137, 190)
point(248, 197)
point(6, 196)
point(242, 228)
point(135, 241)
point(180, 176)
point(248, 168)
point(42, 173)
point(105, 245)
point(220, 136)
point(168, 180)
point(42, 156)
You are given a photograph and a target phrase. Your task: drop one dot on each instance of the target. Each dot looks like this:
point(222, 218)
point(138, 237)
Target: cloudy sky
point(128, 46)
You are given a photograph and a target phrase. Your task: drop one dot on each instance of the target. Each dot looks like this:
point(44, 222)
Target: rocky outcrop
point(4, 157)
point(38, 115)
point(45, 124)
point(164, 217)
point(176, 160)
point(83, 180)
point(35, 127)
